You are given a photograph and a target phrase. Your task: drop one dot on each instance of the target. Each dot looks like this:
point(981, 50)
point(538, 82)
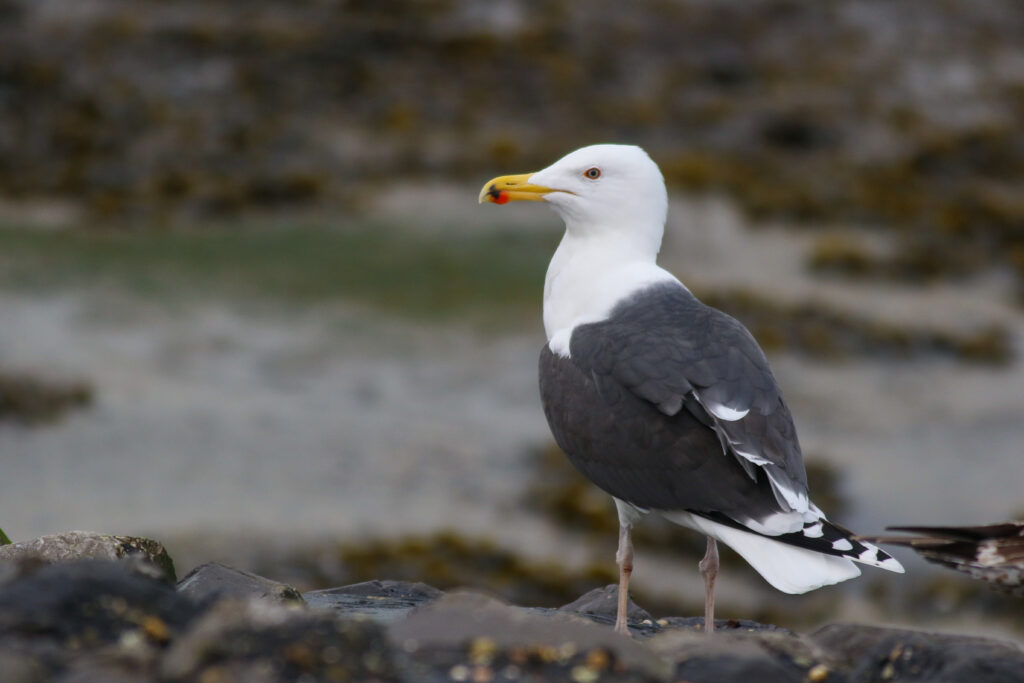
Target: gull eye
point(592, 173)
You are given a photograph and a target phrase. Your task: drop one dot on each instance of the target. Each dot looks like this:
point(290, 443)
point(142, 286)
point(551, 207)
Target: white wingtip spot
point(724, 412)
point(842, 544)
point(892, 565)
point(814, 531)
point(869, 554)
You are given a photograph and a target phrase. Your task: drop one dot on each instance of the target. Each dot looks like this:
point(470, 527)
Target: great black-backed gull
point(665, 403)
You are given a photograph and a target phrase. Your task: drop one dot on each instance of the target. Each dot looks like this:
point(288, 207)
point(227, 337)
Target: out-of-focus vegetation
point(903, 116)
point(4, 540)
point(29, 399)
point(821, 331)
point(951, 595)
point(489, 278)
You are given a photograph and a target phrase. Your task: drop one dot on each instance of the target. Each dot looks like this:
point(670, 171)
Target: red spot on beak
point(502, 198)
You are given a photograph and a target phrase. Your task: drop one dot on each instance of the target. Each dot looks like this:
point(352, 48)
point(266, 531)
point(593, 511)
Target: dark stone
point(264, 641)
point(77, 545)
point(749, 656)
point(99, 621)
point(722, 625)
point(104, 668)
point(63, 612)
point(382, 601)
point(19, 566)
point(873, 654)
point(601, 605)
point(213, 580)
point(20, 666)
point(471, 629)
point(604, 602)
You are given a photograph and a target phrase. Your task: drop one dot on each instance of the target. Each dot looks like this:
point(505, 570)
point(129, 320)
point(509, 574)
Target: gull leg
point(709, 570)
point(624, 558)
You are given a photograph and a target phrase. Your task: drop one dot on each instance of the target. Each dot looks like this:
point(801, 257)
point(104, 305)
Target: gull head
point(600, 189)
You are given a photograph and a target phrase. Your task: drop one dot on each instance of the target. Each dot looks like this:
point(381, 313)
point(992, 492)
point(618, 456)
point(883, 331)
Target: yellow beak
point(512, 188)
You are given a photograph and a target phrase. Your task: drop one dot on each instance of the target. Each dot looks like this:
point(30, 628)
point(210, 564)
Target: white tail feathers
point(786, 567)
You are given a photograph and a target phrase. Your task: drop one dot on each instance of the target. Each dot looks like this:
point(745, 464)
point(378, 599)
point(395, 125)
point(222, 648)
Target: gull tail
point(820, 554)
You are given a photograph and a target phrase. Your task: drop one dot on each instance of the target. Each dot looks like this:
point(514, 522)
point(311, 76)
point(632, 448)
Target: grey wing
point(670, 349)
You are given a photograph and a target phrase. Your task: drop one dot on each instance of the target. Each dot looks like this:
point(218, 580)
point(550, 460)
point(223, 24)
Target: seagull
point(661, 401)
point(992, 553)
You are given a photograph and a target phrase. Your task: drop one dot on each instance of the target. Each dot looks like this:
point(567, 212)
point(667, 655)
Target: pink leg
point(709, 570)
point(624, 558)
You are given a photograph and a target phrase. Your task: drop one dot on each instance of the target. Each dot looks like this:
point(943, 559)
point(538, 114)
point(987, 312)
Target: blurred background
point(250, 307)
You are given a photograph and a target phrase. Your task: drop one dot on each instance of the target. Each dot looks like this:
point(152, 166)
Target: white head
point(601, 190)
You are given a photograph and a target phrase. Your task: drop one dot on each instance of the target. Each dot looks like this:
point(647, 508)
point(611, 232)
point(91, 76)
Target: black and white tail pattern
point(823, 536)
point(818, 554)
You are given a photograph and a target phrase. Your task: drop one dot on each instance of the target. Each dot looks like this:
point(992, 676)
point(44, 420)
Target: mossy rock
point(78, 545)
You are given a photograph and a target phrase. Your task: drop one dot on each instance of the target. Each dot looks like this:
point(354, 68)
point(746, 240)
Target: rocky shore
point(82, 607)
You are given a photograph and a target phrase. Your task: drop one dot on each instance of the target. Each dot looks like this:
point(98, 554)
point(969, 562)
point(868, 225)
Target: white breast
point(586, 279)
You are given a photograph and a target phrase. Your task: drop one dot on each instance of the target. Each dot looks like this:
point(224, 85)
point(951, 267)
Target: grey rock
point(19, 566)
point(458, 619)
point(77, 545)
point(257, 641)
point(65, 613)
point(213, 580)
point(106, 670)
point(722, 625)
point(601, 604)
point(873, 654)
point(748, 656)
point(86, 621)
point(20, 666)
point(381, 601)
point(604, 602)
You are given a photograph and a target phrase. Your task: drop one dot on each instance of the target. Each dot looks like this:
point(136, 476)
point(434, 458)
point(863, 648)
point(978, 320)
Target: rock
point(744, 656)
point(602, 604)
point(885, 654)
point(66, 612)
point(214, 580)
point(259, 641)
point(721, 625)
point(19, 666)
point(22, 565)
point(469, 630)
point(382, 601)
point(88, 545)
point(101, 621)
